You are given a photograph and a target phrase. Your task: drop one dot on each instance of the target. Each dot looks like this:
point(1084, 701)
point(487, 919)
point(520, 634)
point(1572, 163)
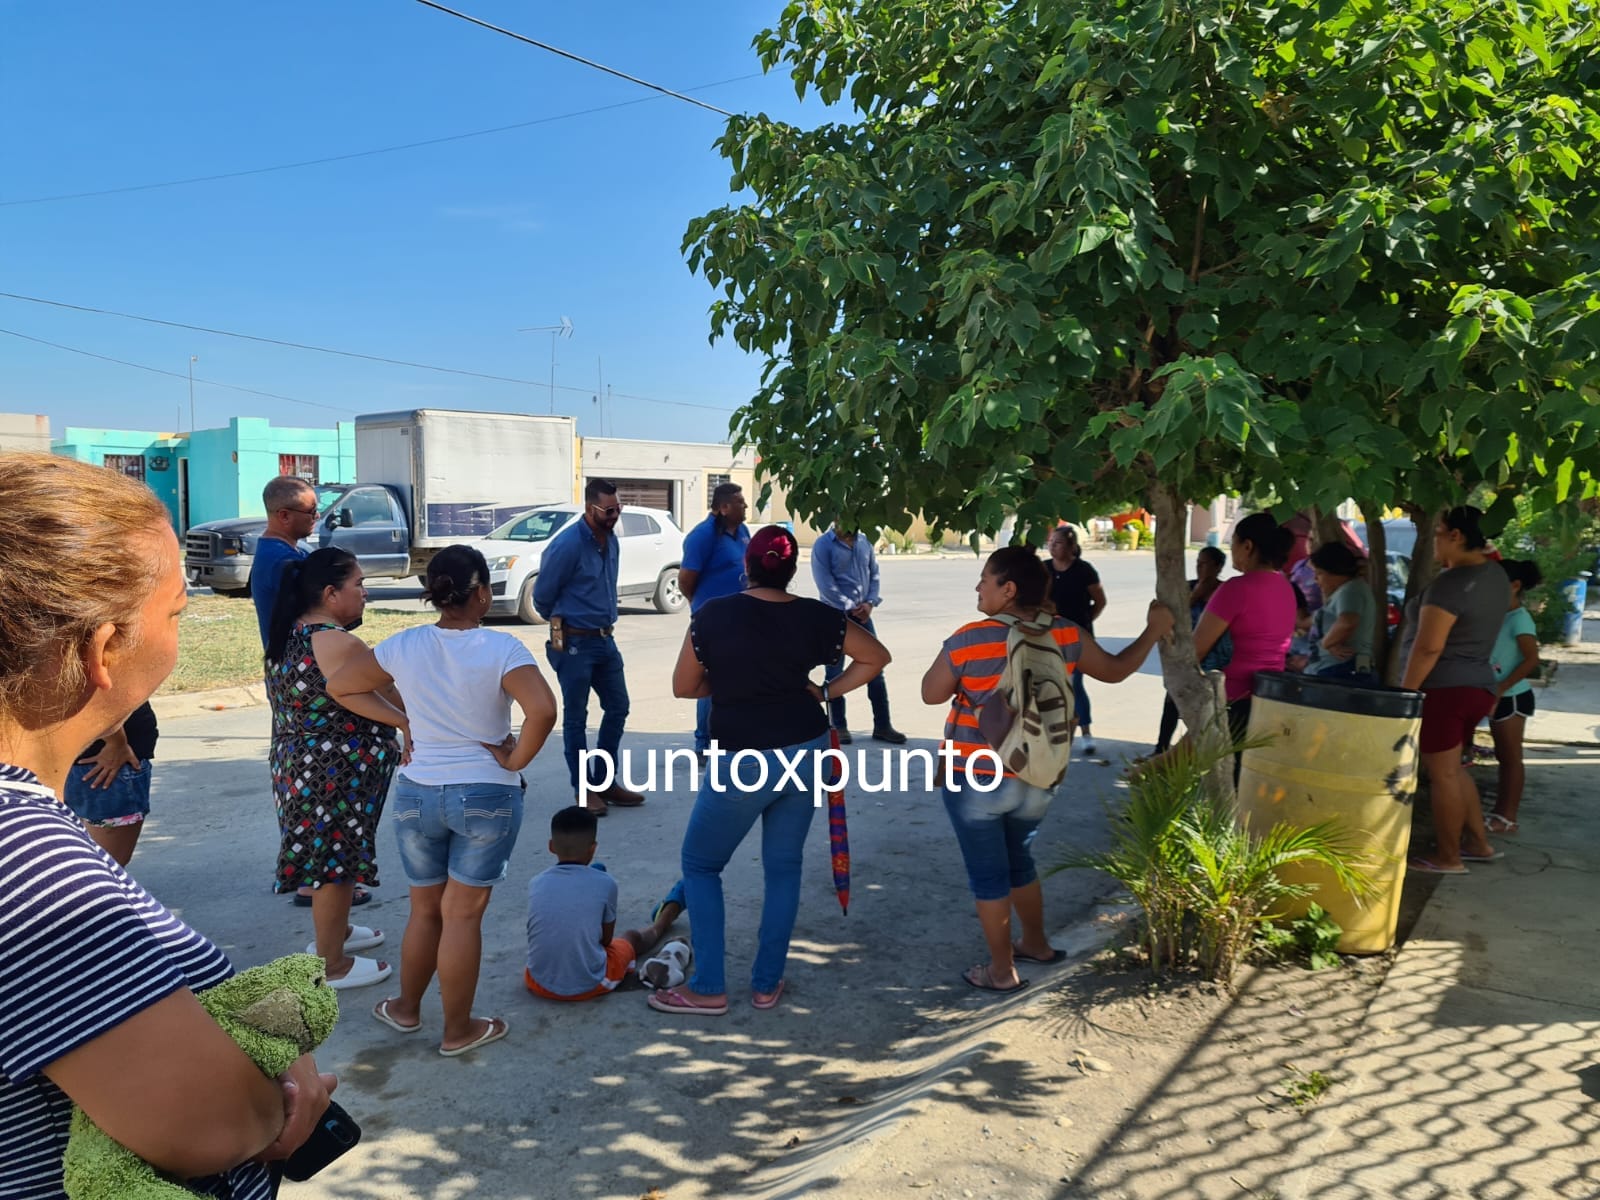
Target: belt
point(603, 632)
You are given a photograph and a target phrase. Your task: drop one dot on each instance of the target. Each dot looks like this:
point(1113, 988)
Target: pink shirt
point(1259, 610)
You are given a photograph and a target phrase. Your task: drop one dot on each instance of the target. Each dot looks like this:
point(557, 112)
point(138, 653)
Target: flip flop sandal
point(670, 1000)
point(381, 1015)
point(359, 938)
point(1425, 867)
point(1493, 856)
point(364, 973)
point(359, 897)
point(497, 1030)
point(1495, 823)
point(771, 1000)
point(1055, 956)
point(967, 977)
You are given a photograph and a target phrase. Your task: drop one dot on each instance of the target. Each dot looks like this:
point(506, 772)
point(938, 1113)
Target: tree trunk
point(1378, 579)
point(1423, 570)
point(1192, 692)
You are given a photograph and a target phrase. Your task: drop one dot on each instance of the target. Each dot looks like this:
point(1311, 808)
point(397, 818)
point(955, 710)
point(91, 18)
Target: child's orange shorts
point(619, 961)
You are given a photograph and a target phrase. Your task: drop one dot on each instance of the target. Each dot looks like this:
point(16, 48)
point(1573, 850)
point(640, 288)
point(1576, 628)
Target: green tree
point(1063, 255)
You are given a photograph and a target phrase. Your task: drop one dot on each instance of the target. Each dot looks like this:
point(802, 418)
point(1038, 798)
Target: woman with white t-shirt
point(457, 804)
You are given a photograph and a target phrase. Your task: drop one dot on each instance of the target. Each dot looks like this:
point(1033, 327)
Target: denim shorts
point(460, 831)
point(995, 831)
point(125, 802)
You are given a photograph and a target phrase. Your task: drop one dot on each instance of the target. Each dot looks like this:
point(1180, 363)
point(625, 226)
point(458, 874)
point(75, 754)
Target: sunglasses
point(304, 512)
point(607, 512)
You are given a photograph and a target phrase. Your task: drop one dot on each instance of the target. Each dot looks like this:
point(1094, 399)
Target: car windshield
point(327, 495)
point(537, 526)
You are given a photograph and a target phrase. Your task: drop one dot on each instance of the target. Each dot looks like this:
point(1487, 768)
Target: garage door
point(651, 493)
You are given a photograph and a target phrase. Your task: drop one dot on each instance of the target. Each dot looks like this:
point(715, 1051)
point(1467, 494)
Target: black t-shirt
point(141, 730)
point(1070, 591)
point(759, 655)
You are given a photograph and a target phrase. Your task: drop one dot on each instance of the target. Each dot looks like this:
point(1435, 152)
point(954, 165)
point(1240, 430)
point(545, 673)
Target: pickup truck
point(367, 519)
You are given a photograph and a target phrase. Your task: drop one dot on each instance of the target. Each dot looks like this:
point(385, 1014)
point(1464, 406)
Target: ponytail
point(300, 587)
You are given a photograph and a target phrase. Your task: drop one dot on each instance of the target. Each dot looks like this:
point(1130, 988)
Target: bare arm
point(171, 1086)
point(689, 679)
point(527, 687)
point(940, 681)
point(355, 679)
point(1207, 634)
point(1433, 630)
point(1097, 601)
point(1114, 668)
point(1340, 631)
point(608, 930)
point(113, 756)
point(1529, 647)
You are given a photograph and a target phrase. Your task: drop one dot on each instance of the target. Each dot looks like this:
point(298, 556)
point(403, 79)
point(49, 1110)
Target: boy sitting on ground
point(573, 953)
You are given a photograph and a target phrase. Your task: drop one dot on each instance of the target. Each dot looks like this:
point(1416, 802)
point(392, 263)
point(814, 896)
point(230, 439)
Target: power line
point(354, 154)
point(577, 58)
point(393, 362)
point(122, 362)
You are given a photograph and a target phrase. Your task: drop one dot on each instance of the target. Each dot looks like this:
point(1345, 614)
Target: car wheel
point(526, 613)
point(669, 596)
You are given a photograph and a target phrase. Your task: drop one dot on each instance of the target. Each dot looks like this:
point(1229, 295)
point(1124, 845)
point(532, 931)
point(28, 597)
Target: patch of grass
point(219, 644)
point(1305, 1088)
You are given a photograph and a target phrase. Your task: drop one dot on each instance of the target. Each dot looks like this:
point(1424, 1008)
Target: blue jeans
point(702, 723)
point(1080, 699)
point(590, 664)
point(125, 802)
point(459, 831)
point(877, 692)
point(720, 820)
point(995, 831)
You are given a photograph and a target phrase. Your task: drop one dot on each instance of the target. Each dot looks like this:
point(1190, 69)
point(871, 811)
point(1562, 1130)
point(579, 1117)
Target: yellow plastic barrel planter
point(1339, 751)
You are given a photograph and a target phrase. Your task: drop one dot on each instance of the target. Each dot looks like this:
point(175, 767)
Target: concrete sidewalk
point(1477, 1071)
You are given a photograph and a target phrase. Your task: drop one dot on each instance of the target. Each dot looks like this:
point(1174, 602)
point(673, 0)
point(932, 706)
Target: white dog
point(667, 967)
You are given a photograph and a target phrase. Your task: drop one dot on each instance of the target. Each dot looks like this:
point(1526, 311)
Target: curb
point(839, 1152)
point(189, 704)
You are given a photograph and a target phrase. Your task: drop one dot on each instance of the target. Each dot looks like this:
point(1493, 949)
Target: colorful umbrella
point(839, 834)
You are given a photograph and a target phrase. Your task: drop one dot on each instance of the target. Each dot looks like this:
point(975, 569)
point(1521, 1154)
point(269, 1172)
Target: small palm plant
point(1206, 881)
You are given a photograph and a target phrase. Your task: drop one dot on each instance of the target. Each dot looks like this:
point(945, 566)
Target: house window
point(303, 465)
point(131, 465)
point(712, 483)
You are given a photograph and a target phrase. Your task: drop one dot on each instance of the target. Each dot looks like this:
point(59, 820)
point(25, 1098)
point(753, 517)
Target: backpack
point(1029, 718)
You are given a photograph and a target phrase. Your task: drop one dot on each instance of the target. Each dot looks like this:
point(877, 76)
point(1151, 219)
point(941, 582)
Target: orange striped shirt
point(977, 656)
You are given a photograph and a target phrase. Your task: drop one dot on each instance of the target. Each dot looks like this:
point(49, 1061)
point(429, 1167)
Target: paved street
point(610, 1099)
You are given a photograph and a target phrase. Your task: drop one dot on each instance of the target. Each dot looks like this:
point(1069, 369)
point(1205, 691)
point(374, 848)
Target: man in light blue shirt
point(846, 573)
point(577, 587)
point(713, 566)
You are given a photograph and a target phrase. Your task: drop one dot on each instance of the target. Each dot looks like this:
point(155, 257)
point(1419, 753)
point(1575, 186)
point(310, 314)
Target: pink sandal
point(768, 1000)
point(670, 1000)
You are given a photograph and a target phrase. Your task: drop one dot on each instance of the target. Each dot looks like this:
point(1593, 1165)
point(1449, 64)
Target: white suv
point(649, 552)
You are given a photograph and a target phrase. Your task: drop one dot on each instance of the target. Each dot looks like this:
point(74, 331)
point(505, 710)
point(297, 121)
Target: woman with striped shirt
point(97, 979)
point(995, 823)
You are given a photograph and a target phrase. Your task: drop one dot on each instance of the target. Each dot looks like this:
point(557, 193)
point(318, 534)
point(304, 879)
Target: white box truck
point(425, 479)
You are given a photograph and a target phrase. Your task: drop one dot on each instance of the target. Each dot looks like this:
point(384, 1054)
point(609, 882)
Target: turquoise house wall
point(227, 467)
point(160, 451)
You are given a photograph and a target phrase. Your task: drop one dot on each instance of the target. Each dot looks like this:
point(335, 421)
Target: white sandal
point(359, 938)
point(364, 972)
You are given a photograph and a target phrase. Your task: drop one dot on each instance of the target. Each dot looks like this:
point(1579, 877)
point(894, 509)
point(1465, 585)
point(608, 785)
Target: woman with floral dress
point(331, 765)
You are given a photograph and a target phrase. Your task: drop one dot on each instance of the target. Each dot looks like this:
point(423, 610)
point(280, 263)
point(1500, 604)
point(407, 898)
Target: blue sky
point(436, 255)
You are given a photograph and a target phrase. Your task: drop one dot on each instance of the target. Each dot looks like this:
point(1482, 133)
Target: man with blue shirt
point(713, 566)
point(846, 574)
point(291, 505)
point(576, 591)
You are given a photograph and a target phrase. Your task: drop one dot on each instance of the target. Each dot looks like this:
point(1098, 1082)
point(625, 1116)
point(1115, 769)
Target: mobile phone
point(558, 635)
point(332, 1136)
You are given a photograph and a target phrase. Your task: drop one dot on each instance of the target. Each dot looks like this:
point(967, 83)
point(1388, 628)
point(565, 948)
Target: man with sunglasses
point(576, 591)
point(291, 505)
